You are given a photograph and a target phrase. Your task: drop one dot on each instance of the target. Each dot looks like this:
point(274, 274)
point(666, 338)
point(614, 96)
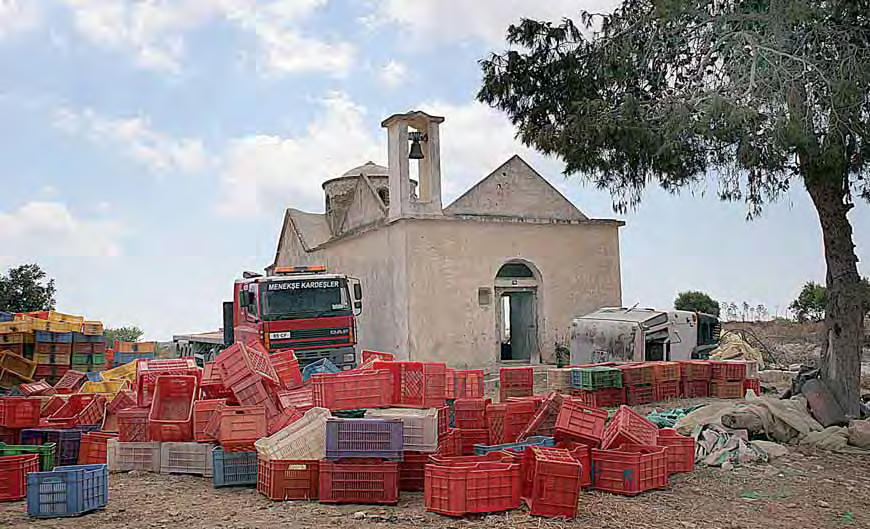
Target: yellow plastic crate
point(44, 325)
point(58, 326)
point(122, 372)
point(106, 387)
point(60, 317)
point(92, 328)
point(16, 338)
point(15, 326)
point(17, 364)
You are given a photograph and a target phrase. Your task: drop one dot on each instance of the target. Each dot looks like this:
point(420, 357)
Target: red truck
point(301, 308)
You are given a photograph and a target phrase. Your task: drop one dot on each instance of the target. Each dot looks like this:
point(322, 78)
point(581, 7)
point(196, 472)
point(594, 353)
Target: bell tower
point(414, 137)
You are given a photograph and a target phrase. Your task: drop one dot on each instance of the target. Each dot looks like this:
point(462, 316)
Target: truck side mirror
point(357, 292)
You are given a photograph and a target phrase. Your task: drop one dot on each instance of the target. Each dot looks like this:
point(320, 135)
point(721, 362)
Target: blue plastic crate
point(67, 440)
point(94, 376)
point(234, 469)
point(318, 367)
point(67, 491)
point(537, 440)
point(125, 358)
point(44, 336)
point(6, 316)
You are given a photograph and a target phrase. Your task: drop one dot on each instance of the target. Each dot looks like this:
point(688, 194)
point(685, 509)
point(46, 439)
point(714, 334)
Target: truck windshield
point(287, 300)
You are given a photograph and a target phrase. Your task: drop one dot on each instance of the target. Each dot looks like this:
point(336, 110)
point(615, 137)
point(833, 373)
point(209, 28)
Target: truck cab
point(300, 308)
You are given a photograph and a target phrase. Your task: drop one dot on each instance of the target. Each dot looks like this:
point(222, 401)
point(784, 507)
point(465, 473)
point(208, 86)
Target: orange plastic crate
point(281, 480)
point(576, 422)
point(369, 355)
point(372, 389)
point(133, 425)
point(470, 413)
point(551, 479)
point(727, 371)
point(663, 391)
point(481, 487)
point(495, 422)
point(636, 374)
point(54, 403)
point(286, 368)
point(628, 426)
point(411, 471)
point(635, 395)
point(416, 384)
point(600, 398)
point(70, 381)
point(243, 360)
point(544, 420)
point(630, 469)
point(147, 372)
point(681, 450)
point(237, 427)
point(666, 371)
point(287, 417)
point(37, 388)
point(469, 438)
point(171, 416)
point(93, 447)
point(203, 410)
point(464, 383)
point(79, 409)
point(722, 389)
point(516, 382)
point(213, 385)
point(693, 370)
point(359, 481)
point(301, 398)
point(19, 412)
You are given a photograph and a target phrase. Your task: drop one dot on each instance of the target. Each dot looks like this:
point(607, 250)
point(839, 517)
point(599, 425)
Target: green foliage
point(813, 299)
point(26, 288)
point(668, 92)
point(696, 301)
point(124, 334)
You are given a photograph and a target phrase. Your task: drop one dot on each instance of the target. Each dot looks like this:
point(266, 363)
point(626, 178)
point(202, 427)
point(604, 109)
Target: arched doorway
point(516, 294)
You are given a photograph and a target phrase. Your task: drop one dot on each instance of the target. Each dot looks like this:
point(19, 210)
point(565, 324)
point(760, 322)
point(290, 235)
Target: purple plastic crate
point(366, 438)
point(66, 439)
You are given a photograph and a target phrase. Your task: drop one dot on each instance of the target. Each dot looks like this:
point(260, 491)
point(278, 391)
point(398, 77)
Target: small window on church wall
point(385, 196)
point(515, 270)
point(484, 296)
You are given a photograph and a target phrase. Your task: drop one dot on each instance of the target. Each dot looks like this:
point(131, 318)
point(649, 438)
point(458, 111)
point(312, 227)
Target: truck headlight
point(349, 357)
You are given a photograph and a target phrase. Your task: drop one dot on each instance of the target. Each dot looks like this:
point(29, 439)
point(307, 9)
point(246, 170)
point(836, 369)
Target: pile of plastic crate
point(45, 345)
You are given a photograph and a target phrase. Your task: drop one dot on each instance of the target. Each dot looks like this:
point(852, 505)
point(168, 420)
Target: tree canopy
point(124, 334)
point(754, 94)
point(696, 301)
point(813, 298)
point(26, 288)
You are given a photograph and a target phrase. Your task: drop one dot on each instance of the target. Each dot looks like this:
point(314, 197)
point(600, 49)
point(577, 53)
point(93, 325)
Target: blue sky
point(149, 148)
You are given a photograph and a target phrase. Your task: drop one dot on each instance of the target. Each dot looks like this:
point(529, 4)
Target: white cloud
point(486, 20)
point(393, 74)
point(137, 140)
point(154, 32)
point(265, 171)
point(17, 16)
point(49, 229)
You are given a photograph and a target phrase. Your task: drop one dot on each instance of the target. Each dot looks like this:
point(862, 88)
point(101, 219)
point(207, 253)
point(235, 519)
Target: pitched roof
point(515, 189)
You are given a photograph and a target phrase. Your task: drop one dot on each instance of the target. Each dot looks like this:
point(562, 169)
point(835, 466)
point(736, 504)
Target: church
point(496, 276)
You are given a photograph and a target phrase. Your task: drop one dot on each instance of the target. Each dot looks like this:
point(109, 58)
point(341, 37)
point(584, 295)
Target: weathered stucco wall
point(449, 260)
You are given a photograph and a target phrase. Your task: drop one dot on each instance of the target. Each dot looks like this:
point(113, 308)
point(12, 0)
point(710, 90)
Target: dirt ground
point(804, 489)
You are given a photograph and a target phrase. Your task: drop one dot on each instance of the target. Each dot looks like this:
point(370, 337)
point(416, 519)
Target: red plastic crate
point(19, 412)
point(254, 391)
point(237, 427)
point(244, 360)
point(287, 417)
point(582, 454)
point(171, 417)
point(416, 384)
point(695, 388)
point(123, 400)
point(37, 388)
point(722, 389)
point(286, 368)
point(495, 422)
point(213, 385)
point(470, 413)
point(301, 398)
point(637, 374)
point(50, 373)
point(450, 444)
point(469, 438)
point(695, 370)
point(411, 471)
point(628, 426)
point(372, 389)
point(54, 403)
point(681, 450)
point(368, 355)
point(631, 469)
point(666, 371)
point(281, 480)
point(81, 408)
point(520, 413)
point(476, 487)
point(13, 475)
point(752, 383)
point(515, 382)
point(147, 372)
point(576, 422)
point(202, 413)
point(600, 398)
point(727, 371)
point(544, 420)
point(465, 383)
point(537, 400)
point(133, 425)
point(365, 481)
point(635, 395)
point(663, 391)
point(93, 447)
point(10, 436)
point(443, 420)
point(551, 482)
point(70, 382)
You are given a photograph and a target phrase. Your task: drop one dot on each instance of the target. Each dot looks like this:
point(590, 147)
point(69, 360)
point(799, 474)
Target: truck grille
point(307, 334)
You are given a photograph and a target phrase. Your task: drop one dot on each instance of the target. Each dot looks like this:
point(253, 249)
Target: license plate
point(279, 335)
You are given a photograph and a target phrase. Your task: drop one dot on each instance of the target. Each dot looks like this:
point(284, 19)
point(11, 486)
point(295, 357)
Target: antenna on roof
point(632, 307)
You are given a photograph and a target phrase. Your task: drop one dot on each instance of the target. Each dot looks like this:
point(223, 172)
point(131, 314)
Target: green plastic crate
point(98, 359)
point(84, 368)
point(592, 378)
point(81, 359)
point(45, 451)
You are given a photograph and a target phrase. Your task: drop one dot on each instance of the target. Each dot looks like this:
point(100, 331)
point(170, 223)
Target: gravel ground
point(804, 489)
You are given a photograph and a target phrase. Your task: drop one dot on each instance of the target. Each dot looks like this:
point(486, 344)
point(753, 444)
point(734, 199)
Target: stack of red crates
point(694, 378)
point(247, 371)
point(515, 382)
point(667, 381)
point(147, 372)
point(416, 384)
point(464, 384)
point(470, 419)
point(638, 383)
point(726, 379)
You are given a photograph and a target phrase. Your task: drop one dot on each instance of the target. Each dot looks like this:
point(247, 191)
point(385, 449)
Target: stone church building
point(497, 275)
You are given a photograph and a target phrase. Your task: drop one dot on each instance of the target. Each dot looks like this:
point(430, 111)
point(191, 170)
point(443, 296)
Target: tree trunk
point(841, 355)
